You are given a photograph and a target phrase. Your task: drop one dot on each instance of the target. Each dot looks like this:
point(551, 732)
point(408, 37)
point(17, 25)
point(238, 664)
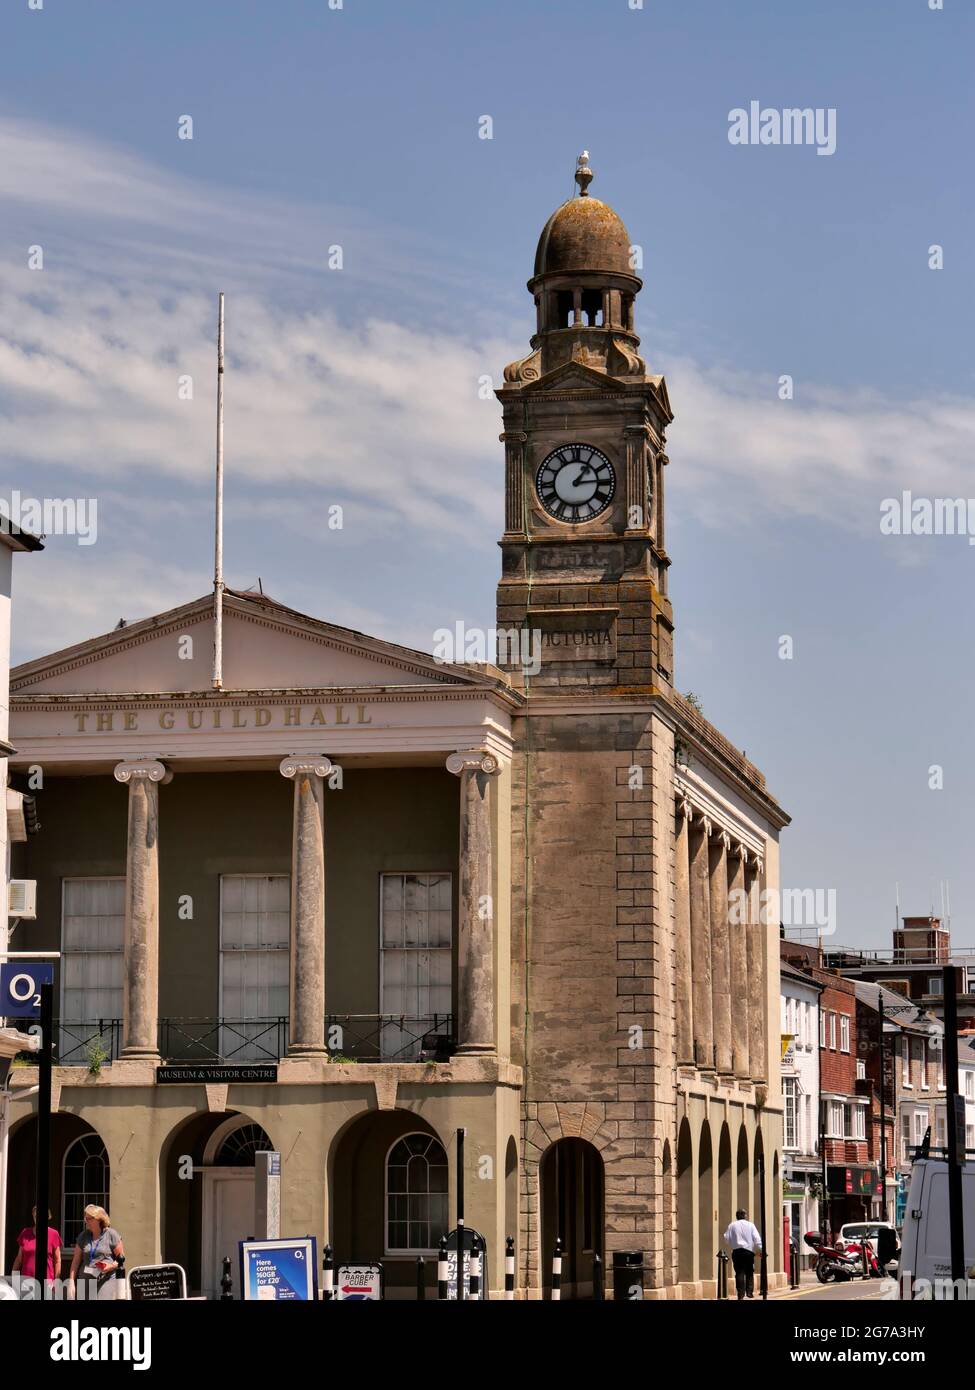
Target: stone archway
point(706, 1252)
point(742, 1186)
point(66, 1132)
point(572, 1187)
point(685, 1205)
point(726, 1184)
point(668, 1273)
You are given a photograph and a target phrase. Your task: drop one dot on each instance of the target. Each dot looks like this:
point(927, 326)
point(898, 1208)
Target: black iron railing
point(210, 1041)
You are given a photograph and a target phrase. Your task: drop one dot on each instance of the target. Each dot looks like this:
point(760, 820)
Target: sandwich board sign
point(359, 1283)
point(469, 1235)
point(277, 1271)
point(152, 1283)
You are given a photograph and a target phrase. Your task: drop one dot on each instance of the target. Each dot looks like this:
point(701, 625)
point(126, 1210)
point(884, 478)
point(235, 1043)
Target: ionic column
point(682, 936)
point(307, 992)
point(757, 1039)
point(475, 1027)
point(140, 947)
point(701, 943)
point(720, 951)
point(738, 931)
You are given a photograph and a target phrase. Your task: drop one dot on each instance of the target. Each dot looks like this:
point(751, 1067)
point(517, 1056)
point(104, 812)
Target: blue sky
point(359, 127)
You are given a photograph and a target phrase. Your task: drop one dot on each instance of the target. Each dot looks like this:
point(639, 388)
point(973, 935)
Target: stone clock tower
point(584, 567)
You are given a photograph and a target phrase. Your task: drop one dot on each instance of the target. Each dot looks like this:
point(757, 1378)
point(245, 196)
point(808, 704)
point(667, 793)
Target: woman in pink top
point(26, 1250)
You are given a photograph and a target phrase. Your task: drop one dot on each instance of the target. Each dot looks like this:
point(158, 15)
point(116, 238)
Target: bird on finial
point(583, 174)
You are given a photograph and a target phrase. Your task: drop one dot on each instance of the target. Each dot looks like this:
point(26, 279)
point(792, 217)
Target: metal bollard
point(328, 1275)
point(557, 1271)
point(722, 1281)
point(121, 1285)
point(421, 1283)
point(442, 1270)
point(226, 1282)
point(509, 1268)
point(474, 1287)
point(598, 1278)
point(866, 1261)
point(794, 1264)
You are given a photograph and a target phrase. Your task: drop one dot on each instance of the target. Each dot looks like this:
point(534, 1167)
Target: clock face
point(575, 483)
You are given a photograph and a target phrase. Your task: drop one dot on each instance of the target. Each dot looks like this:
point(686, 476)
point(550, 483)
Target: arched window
point(241, 1146)
point(86, 1183)
point(416, 1194)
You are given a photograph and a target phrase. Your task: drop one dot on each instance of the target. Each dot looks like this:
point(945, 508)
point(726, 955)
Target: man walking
point(743, 1237)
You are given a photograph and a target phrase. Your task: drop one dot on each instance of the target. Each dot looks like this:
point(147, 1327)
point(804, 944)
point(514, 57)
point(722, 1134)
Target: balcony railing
point(213, 1041)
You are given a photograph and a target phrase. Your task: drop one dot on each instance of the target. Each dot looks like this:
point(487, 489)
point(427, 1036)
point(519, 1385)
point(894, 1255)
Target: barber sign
point(359, 1283)
point(20, 988)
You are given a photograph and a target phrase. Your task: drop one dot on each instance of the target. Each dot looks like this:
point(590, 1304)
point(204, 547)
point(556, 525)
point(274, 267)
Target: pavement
point(810, 1290)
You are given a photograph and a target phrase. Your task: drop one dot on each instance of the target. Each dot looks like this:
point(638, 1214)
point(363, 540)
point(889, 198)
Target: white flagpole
point(218, 543)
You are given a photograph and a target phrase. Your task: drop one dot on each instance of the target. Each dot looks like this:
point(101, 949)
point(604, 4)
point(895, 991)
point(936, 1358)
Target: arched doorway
point(388, 1180)
point(206, 1170)
point(706, 1252)
point(726, 1195)
point(777, 1236)
point(667, 1192)
point(742, 1189)
point(511, 1222)
point(685, 1205)
point(79, 1175)
point(758, 1207)
point(571, 1184)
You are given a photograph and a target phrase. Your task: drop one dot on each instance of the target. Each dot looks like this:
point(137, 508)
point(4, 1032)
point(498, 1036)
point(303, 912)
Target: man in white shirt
point(743, 1237)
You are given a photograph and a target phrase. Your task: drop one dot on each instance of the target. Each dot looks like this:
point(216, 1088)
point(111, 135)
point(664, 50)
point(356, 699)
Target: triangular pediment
point(266, 646)
point(572, 376)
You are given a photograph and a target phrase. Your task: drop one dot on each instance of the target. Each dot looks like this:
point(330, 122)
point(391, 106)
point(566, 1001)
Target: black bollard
point(722, 1281)
point(328, 1275)
point(509, 1268)
point(421, 1283)
point(794, 1264)
point(121, 1287)
point(557, 1271)
point(475, 1286)
point(226, 1282)
point(442, 1270)
point(598, 1278)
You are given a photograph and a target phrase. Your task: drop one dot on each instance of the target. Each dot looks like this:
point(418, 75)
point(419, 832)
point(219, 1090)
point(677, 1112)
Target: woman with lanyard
point(97, 1252)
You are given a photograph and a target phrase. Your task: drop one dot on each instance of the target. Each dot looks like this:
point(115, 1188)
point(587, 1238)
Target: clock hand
point(586, 468)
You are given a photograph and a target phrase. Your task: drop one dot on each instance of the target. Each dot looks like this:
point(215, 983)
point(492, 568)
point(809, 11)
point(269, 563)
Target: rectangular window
point(940, 1133)
point(791, 1140)
point(970, 1085)
point(844, 1032)
point(906, 1057)
point(934, 984)
point(415, 934)
point(922, 1057)
point(832, 1031)
point(92, 927)
point(859, 1122)
point(822, 1027)
point(861, 1069)
point(255, 929)
point(847, 1121)
point(969, 1138)
point(920, 1125)
point(905, 1136)
point(836, 1129)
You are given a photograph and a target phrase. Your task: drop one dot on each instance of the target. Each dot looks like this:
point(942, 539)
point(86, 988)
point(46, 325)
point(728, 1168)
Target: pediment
point(573, 376)
point(266, 646)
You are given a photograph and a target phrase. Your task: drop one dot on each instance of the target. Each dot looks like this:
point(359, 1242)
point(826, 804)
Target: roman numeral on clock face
point(575, 483)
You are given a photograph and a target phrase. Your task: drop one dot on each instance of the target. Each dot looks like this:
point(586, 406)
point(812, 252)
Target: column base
point(475, 1050)
point(139, 1054)
point(307, 1050)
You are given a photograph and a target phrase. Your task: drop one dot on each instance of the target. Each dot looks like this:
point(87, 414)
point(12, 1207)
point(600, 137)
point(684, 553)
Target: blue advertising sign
point(273, 1271)
point(20, 988)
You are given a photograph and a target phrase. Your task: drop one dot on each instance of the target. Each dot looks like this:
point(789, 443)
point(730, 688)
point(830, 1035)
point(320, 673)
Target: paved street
point(812, 1291)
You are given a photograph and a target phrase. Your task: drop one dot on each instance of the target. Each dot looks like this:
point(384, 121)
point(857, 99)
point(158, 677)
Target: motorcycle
point(833, 1262)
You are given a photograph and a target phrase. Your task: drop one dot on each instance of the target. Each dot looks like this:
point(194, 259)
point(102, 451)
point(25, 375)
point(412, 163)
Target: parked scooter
point(834, 1263)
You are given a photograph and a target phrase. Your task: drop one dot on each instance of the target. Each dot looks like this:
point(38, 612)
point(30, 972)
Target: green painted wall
point(222, 823)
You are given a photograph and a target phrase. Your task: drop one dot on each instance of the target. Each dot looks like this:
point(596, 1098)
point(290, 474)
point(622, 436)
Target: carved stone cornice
point(142, 766)
point(472, 760)
point(305, 764)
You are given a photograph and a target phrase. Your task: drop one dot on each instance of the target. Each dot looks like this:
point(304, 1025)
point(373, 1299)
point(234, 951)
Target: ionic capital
point(472, 760)
point(685, 809)
point(143, 766)
point(739, 851)
point(307, 764)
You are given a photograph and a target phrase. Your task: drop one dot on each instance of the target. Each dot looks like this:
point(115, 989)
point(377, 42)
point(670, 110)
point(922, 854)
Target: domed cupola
point(584, 288)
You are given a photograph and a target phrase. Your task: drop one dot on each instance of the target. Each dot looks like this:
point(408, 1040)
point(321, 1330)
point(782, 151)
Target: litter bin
point(627, 1274)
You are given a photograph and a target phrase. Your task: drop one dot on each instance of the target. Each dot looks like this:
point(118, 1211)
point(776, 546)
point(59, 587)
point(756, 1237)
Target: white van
point(925, 1260)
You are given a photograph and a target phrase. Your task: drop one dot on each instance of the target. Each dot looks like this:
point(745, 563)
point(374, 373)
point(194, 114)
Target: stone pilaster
point(307, 1032)
point(701, 943)
point(738, 932)
point(682, 936)
point(720, 951)
point(757, 1003)
point(475, 1027)
point(140, 981)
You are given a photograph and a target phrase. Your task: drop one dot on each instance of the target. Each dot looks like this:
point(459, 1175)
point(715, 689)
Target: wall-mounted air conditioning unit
point(22, 899)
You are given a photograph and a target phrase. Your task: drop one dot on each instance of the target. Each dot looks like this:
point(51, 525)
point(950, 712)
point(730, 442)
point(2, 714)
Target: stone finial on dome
point(583, 174)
